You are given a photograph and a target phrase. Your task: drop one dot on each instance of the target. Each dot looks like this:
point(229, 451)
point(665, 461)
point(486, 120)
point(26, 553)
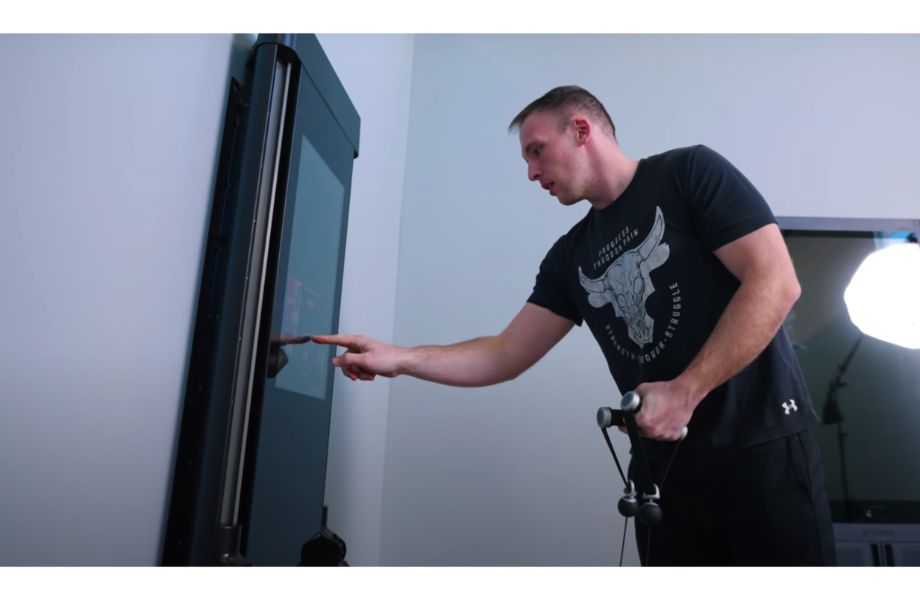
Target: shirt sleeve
point(550, 290)
point(724, 204)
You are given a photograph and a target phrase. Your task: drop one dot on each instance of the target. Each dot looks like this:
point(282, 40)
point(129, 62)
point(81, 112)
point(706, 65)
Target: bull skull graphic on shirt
point(626, 283)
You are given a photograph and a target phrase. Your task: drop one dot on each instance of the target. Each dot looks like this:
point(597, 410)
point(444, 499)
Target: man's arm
point(769, 288)
point(477, 362)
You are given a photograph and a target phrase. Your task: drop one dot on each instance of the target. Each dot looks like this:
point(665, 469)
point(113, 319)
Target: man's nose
point(533, 173)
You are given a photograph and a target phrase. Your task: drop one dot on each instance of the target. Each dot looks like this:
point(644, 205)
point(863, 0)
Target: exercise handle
point(608, 417)
point(632, 403)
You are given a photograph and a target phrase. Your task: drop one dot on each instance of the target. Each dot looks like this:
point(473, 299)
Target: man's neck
point(615, 177)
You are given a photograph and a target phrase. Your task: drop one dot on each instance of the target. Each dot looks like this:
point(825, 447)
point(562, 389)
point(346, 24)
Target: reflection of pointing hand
point(284, 340)
point(277, 358)
point(364, 357)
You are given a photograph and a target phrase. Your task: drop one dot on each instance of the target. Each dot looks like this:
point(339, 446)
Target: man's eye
point(537, 152)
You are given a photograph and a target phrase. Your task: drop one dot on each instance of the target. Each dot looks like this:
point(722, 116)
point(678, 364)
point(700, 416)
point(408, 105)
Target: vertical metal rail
point(254, 290)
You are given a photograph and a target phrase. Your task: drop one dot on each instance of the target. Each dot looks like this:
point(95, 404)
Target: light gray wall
point(376, 72)
point(518, 473)
point(108, 154)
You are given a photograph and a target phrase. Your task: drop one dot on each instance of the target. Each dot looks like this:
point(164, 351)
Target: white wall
point(518, 473)
point(108, 154)
point(376, 72)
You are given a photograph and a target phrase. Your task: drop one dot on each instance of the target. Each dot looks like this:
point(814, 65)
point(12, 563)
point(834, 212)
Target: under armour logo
point(790, 406)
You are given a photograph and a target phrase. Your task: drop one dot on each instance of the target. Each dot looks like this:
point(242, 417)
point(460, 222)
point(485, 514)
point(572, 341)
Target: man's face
point(552, 156)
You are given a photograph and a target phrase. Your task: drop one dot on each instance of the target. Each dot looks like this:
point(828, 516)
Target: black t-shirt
point(643, 275)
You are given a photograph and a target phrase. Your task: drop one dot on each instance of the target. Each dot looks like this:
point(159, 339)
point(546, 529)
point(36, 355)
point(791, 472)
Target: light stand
point(831, 415)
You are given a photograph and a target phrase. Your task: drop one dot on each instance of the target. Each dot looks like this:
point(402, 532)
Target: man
point(683, 277)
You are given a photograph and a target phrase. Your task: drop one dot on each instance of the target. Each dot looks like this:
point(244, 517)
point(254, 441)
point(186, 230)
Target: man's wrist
point(691, 388)
point(406, 360)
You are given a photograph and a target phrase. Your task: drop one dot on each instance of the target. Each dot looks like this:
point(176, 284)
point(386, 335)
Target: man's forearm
point(747, 325)
point(477, 362)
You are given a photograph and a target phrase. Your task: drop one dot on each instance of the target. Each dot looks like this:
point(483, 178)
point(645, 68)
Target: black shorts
point(764, 505)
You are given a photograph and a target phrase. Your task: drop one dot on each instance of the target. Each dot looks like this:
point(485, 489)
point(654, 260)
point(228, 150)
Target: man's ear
point(582, 129)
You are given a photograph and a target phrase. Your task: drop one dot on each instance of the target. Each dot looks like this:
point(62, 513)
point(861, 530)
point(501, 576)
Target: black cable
point(648, 545)
point(623, 543)
point(614, 454)
point(668, 468)
point(648, 539)
point(623, 477)
point(632, 429)
point(639, 454)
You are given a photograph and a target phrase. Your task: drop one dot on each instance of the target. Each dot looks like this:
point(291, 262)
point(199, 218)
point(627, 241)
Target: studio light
point(882, 298)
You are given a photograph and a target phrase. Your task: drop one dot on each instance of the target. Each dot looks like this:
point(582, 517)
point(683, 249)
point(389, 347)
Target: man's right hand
point(480, 361)
point(364, 357)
